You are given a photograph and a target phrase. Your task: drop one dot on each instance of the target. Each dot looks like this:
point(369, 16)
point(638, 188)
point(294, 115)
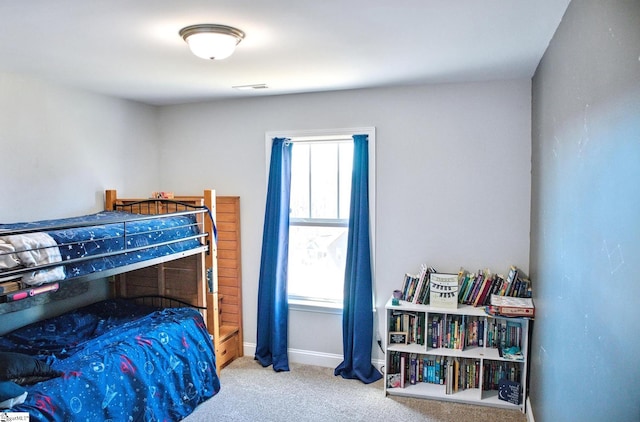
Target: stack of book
point(410, 324)
point(475, 289)
point(454, 373)
point(415, 288)
point(511, 306)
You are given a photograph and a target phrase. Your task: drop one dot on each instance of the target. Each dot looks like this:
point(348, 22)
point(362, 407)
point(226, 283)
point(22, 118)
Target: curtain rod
point(307, 139)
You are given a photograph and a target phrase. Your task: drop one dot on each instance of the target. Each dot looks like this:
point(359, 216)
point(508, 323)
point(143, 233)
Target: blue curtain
point(357, 314)
point(273, 308)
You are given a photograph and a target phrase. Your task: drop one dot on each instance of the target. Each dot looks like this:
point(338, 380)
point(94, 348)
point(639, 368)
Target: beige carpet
point(310, 393)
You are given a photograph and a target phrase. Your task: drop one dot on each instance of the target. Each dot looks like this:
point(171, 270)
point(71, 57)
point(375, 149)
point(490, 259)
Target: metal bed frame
point(148, 209)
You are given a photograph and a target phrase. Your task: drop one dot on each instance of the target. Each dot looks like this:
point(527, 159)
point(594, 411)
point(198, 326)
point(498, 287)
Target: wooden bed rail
point(170, 277)
point(188, 280)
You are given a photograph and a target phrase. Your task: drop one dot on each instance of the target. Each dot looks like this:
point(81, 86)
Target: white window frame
point(324, 134)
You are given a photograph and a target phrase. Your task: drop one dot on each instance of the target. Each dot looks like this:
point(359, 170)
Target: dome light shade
point(212, 42)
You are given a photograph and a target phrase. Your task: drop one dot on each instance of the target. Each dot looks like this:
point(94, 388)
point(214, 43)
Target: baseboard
point(529, 411)
point(311, 357)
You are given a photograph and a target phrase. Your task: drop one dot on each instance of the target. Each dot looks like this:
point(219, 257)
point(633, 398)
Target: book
point(484, 290)
point(514, 333)
point(495, 288)
point(509, 391)
point(476, 287)
point(524, 290)
point(420, 283)
point(511, 278)
point(9, 286)
point(471, 280)
point(449, 377)
point(435, 332)
point(406, 285)
point(420, 335)
point(413, 368)
point(403, 373)
point(465, 283)
point(517, 284)
point(511, 306)
point(444, 290)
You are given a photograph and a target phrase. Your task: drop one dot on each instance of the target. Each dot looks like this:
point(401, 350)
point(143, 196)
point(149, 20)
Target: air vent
point(249, 87)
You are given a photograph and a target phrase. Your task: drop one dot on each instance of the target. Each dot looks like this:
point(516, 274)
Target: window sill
point(315, 306)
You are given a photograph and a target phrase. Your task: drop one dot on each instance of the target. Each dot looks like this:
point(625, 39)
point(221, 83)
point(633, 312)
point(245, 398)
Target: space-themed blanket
point(115, 238)
point(118, 361)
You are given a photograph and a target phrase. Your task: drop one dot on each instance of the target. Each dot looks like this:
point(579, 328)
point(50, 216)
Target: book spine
point(482, 294)
point(476, 288)
point(464, 287)
point(471, 285)
point(425, 370)
point(512, 311)
point(413, 369)
point(9, 286)
point(495, 286)
point(419, 283)
point(511, 278)
point(403, 372)
point(435, 333)
point(406, 286)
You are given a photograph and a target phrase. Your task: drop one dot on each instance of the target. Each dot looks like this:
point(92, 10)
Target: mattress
point(114, 238)
point(118, 361)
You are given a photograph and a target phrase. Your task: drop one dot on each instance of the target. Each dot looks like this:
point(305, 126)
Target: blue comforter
point(120, 362)
point(105, 236)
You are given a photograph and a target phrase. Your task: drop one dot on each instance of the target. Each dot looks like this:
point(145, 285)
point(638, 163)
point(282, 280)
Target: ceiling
point(131, 48)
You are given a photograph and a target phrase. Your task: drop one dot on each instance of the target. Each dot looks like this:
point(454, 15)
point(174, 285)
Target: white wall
point(453, 178)
point(60, 148)
point(453, 161)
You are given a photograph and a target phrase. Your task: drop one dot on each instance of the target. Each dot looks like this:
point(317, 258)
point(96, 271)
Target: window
point(319, 219)
point(321, 167)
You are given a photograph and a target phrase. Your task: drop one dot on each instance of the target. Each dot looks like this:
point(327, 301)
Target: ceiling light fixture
point(210, 41)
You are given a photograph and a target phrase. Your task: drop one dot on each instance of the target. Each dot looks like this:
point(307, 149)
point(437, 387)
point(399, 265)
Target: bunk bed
point(153, 360)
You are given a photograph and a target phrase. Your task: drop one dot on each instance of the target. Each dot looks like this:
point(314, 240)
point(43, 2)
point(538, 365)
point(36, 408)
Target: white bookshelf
point(486, 355)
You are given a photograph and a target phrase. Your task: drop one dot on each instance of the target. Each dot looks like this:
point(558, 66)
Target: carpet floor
point(311, 393)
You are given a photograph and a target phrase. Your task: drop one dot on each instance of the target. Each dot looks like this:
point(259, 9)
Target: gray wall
point(60, 149)
point(452, 186)
point(585, 245)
